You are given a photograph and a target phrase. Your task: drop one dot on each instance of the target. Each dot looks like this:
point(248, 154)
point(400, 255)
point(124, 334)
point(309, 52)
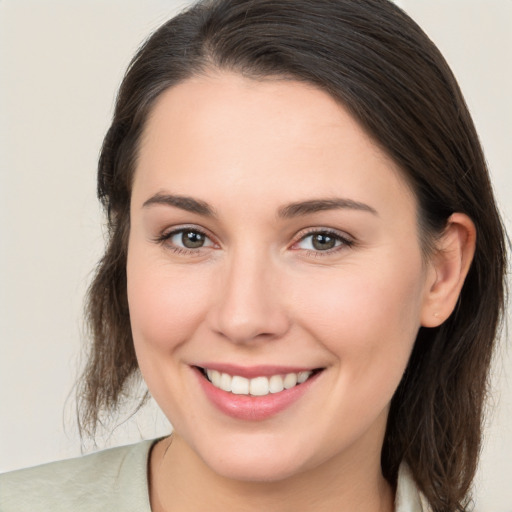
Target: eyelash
point(165, 237)
point(345, 242)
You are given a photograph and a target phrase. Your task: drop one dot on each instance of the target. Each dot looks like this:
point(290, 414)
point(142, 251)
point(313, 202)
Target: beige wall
point(60, 64)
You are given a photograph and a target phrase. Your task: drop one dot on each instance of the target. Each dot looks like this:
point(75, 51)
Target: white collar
point(408, 497)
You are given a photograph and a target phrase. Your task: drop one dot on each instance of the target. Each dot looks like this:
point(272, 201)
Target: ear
point(449, 266)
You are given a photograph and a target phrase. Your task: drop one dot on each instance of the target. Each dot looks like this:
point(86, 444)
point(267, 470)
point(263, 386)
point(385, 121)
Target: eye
point(190, 239)
point(322, 241)
point(186, 239)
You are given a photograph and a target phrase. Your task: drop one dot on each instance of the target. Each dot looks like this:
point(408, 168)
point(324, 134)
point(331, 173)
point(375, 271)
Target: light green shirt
point(116, 480)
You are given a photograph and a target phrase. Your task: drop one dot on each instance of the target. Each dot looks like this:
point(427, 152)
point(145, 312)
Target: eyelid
point(167, 234)
point(346, 239)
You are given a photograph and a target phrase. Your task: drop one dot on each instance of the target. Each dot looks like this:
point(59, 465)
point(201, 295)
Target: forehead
point(262, 136)
point(270, 110)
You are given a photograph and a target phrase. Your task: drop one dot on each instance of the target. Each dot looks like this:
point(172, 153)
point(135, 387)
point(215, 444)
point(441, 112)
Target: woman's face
point(271, 241)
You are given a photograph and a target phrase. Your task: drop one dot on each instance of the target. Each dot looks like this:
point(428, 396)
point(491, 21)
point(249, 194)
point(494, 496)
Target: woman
point(305, 263)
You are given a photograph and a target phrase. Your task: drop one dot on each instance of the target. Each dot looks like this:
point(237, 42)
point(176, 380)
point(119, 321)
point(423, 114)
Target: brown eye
point(187, 239)
point(192, 239)
point(323, 241)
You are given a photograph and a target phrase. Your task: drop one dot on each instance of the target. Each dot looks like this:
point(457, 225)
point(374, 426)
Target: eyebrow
point(291, 210)
point(186, 203)
point(318, 205)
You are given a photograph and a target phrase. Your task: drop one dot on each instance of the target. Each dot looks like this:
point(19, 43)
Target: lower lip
point(253, 408)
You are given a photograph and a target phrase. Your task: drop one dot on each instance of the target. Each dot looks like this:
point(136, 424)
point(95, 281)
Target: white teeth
point(290, 380)
point(239, 385)
point(276, 384)
point(225, 382)
point(215, 378)
point(303, 377)
point(259, 386)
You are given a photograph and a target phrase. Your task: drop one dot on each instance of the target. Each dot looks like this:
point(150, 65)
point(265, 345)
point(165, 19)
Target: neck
point(180, 481)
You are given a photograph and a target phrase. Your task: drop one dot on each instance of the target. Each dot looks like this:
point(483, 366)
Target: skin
point(258, 292)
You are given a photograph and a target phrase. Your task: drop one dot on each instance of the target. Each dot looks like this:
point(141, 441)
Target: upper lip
point(250, 372)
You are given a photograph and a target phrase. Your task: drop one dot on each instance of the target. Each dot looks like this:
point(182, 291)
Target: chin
point(264, 469)
point(256, 461)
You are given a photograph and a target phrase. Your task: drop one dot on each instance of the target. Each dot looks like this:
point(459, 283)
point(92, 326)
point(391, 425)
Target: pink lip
point(253, 408)
point(250, 372)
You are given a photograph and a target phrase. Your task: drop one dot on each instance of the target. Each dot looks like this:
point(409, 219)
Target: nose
point(249, 306)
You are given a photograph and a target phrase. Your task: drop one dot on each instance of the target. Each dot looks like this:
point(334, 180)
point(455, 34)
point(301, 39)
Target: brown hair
point(378, 63)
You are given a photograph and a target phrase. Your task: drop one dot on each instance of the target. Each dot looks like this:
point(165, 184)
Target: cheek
point(166, 304)
point(368, 318)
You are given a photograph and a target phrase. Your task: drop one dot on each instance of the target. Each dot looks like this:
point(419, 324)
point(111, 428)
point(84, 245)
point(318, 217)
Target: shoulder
point(114, 479)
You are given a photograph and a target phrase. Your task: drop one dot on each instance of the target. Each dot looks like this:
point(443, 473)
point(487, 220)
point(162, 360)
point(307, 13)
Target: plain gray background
point(60, 65)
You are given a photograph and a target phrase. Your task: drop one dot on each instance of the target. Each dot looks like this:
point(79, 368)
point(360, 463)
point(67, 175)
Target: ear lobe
point(449, 266)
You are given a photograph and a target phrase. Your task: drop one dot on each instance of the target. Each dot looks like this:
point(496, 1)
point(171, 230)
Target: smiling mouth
point(258, 386)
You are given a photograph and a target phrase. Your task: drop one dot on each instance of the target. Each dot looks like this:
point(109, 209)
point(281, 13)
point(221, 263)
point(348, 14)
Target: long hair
point(373, 59)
